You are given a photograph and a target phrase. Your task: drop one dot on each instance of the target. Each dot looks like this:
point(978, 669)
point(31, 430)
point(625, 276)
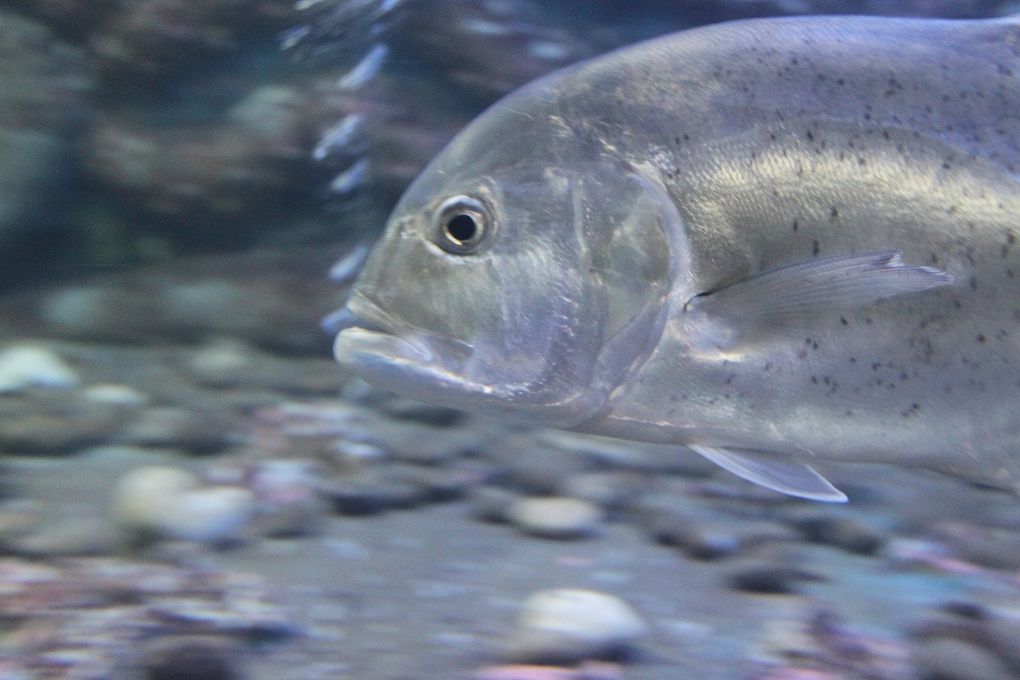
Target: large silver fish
point(771, 241)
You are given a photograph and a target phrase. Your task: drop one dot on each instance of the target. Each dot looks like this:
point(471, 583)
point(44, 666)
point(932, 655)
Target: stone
point(55, 422)
point(846, 533)
point(427, 414)
point(610, 490)
point(24, 366)
point(589, 670)
point(694, 539)
point(533, 469)
point(116, 618)
point(491, 503)
point(114, 394)
point(988, 546)
point(570, 625)
point(951, 659)
point(152, 41)
point(194, 430)
point(193, 298)
point(769, 579)
point(170, 503)
point(439, 484)
point(43, 89)
point(1004, 635)
point(192, 657)
point(70, 537)
point(555, 517)
point(286, 492)
point(219, 361)
point(231, 363)
point(216, 515)
point(370, 492)
point(144, 496)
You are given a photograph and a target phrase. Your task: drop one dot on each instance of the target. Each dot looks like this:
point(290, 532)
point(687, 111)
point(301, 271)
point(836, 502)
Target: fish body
point(774, 241)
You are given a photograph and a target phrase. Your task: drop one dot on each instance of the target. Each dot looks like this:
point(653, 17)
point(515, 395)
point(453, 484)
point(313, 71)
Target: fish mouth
point(379, 349)
point(439, 370)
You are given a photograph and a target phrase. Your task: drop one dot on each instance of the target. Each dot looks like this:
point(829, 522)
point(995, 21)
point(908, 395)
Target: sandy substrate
point(396, 557)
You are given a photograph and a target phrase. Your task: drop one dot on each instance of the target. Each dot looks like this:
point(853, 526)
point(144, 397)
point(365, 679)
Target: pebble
point(769, 579)
point(287, 495)
point(570, 625)
point(440, 484)
point(55, 423)
point(952, 659)
point(787, 637)
point(232, 363)
point(370, 492)
point(70, 537)
point(144, 495)
point(988, 546)
point(609, 490)
point(193, 657)
point(63, 615)
point(1004, 637)
point(220, 360)
point(44, 88)
point(533, 469)
point(491, 503)
point(555, 517)
point(589, 670)
point(197, 431)
point(24, 366)
point(426, 445)
point(427, 414)
point(18, 518)
point(695, 540)
point(170, 503)
point(846, 533)
point(114, 394)
point(799, 673)
point(995, 628)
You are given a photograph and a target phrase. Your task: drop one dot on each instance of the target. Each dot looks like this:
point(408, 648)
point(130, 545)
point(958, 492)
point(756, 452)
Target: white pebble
point(221, 356)
point(24, 366)
point(567, 625)
point(169, 503)
point(146, 495)
point(555, 517)
point(74, 308)
point(217, 514)
point(287, 496)
point(115, 395)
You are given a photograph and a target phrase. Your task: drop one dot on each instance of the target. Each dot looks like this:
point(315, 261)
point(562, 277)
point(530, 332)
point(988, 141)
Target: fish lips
point(408, 361)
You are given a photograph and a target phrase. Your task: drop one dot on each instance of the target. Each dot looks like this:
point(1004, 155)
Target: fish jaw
point(407, 365)
point(412, 368)
point(378, 349)
point(427, 367)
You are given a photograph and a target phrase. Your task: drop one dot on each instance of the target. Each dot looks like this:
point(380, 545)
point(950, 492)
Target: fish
point(774, 242)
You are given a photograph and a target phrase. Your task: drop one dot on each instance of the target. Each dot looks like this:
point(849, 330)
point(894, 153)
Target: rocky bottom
point(219, 512)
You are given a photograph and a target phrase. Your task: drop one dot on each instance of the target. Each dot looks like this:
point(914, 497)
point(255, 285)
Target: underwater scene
point(328, 352)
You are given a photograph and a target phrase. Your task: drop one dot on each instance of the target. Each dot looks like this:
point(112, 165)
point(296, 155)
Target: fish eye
point(463, 225)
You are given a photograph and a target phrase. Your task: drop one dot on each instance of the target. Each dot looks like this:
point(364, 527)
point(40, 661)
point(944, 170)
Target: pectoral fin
point(786, 299)
point(794, 479)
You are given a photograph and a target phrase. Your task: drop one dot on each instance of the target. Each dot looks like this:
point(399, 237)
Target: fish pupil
point(462, 228)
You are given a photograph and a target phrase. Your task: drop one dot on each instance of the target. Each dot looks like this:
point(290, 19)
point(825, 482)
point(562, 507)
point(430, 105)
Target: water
point(176, 182)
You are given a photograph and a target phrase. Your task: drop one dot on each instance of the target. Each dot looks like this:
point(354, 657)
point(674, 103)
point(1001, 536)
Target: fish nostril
point(338, 320)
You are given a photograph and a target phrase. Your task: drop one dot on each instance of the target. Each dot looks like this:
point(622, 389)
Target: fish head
point(528, 287)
